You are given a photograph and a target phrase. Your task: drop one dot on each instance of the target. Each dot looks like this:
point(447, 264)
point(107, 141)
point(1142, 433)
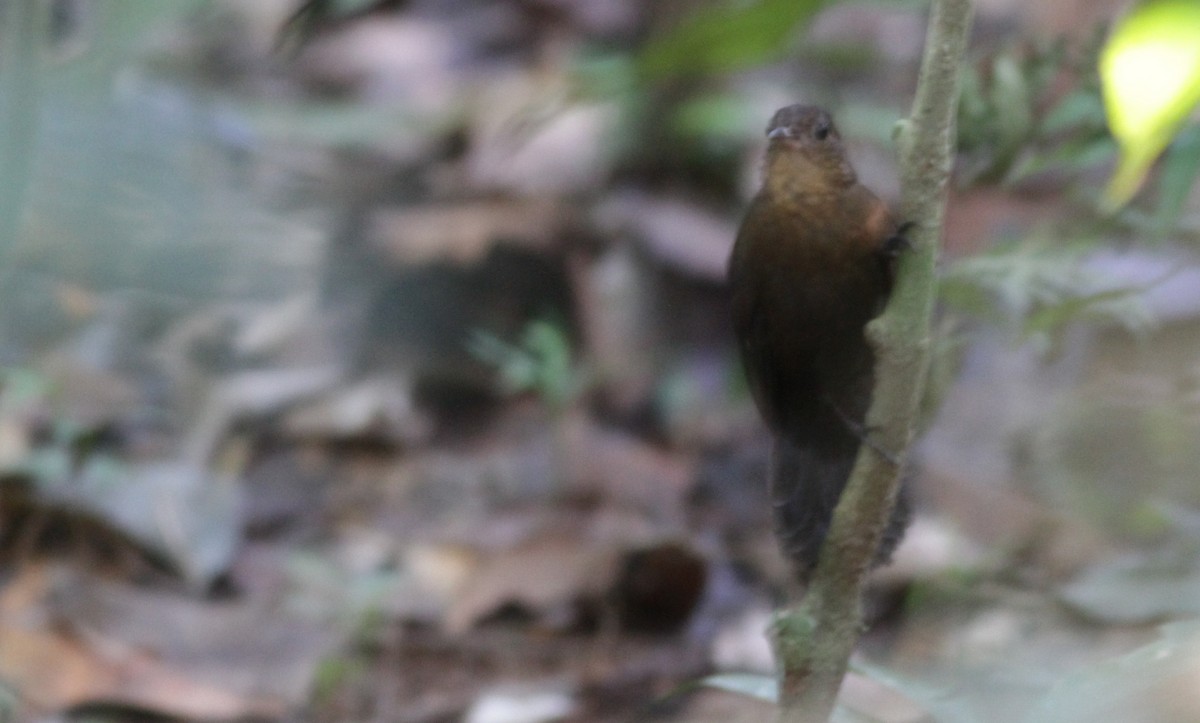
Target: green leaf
point(1012, 100)
point(1075, 155)
point(1150, 74)
point(727, 37)
point(1120, 306)
point(716, 117)
point(1080, 107)
point(1040, 284)
point(1178, 175)
point(541, 362)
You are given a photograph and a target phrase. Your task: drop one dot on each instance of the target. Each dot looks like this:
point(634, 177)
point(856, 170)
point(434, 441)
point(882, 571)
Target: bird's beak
point(780, 132)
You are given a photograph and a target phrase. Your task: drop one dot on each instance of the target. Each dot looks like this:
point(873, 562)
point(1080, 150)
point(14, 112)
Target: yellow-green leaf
point(727, 36)
point(1150, 71)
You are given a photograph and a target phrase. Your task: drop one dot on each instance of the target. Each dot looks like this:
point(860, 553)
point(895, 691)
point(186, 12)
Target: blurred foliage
point(1042, 285)
point(1027, 111)
point(10, 704)
point(539, 362)
point(715, 118)
point(313, 14)
point(1033, 116)
point(1176, 179)
point(727, 37)
point(1132, 686)
point(42, 451)
point(334, 676)
point(23, 25)
point(135, 180)
point(1084, 454)
point(1156, 682)
point(1150, 68)
point(1150, 683)
point(350, 598)
point(1014, 121)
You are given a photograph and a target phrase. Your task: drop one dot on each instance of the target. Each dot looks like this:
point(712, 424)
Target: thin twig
point(814, 639)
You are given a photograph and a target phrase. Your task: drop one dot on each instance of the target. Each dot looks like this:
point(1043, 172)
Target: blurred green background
point(370, 361)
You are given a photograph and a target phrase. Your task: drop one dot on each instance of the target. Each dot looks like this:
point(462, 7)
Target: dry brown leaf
point(378, 406)
point(624, 470)
point(680, 234)
point(55, 667)
point(531, 136)
point(540, 575)
point(465, 232)
point(90, 397)
point(398, 59)
point(69, 639)
point(532, 459)
point(998, 517)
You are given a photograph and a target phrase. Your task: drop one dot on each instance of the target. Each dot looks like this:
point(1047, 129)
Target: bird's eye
point(821, 132)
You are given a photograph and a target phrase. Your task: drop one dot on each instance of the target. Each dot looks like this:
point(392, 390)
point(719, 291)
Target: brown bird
point(812, 264)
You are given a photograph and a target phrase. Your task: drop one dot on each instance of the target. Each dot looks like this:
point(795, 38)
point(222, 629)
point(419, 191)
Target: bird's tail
point(806, 484)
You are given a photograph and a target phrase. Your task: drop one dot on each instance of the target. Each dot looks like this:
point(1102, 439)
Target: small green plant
point(1014, 120)
point(63, 446)
point(1042, 286)
point(540, 362)
point(334, 675)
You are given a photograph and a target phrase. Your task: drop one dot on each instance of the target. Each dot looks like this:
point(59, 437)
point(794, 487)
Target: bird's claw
point(898, 242)
point(864, 436)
